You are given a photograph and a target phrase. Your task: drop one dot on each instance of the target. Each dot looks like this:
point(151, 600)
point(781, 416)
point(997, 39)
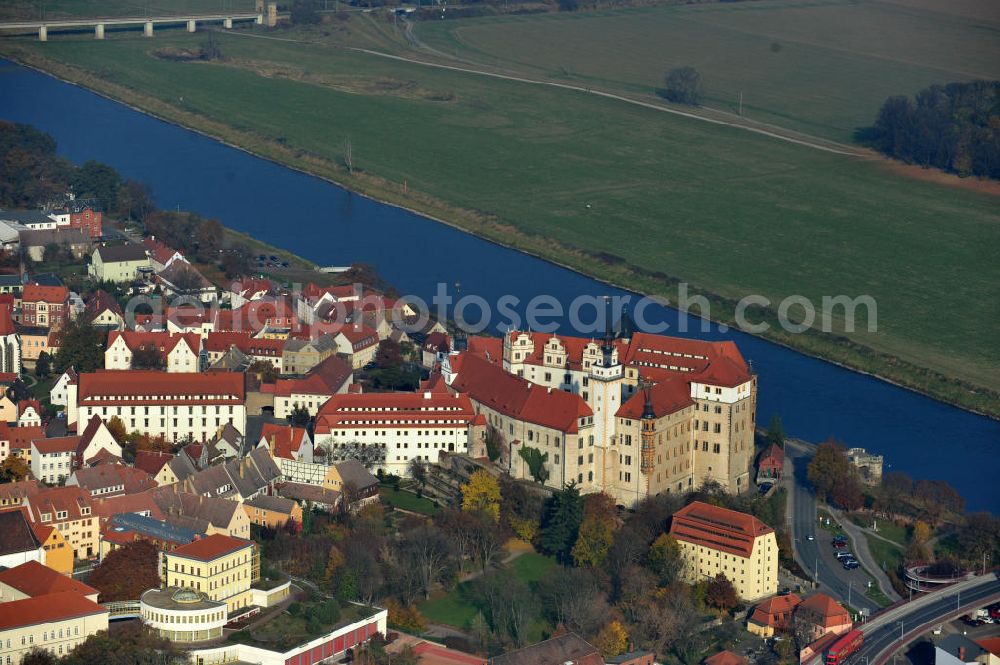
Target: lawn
point(532, 567)
point(553, 172)
point(408, 501)
point(818, 66)
point(887, 529)
point(885, 555)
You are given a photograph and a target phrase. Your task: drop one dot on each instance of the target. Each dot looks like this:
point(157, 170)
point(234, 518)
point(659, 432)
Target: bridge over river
point(43, 26)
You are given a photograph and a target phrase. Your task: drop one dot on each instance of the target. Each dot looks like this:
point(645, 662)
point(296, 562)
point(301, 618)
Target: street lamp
point(850, 587)
point(900, 630)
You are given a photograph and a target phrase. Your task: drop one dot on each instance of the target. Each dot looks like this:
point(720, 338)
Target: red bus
point(843, 648)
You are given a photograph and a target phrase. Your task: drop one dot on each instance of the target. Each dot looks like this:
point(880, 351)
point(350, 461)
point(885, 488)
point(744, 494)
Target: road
point(903, 624)
point(817, 556)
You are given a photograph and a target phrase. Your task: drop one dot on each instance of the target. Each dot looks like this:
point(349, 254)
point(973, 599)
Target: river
point(329, 225)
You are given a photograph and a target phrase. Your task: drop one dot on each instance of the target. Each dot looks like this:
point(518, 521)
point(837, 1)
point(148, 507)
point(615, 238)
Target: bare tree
point(349, 156)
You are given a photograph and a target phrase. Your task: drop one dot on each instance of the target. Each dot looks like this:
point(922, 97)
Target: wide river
point(332, 226)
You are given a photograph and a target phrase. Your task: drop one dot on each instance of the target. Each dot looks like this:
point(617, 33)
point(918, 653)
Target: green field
point(408, 501)
point(818, 66)
point(731, 212)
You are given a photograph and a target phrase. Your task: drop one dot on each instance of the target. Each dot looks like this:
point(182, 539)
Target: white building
point(178, 351)
point(175, 406)
point(52, 459)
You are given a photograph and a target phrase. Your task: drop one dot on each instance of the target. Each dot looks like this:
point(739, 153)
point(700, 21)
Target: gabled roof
point(354, 472)
point(112, 475)
point(823, 610)
point(283, 440)
point(151, 461)
point(101, 302)
point(163, 341)
point(568, 648)
point(34, 579)
point(122, 253)
point(16, 534)
point(160, 252)
point(54, 500)
point(326, 378)
point(310, 493)
point(7, 326)
point(276, 504)
point(726, 657)
point(513, 396)
point(668, 396)
point(62, 444)
point(775, 610)
point(717, 528)
point(19, 490)
point(89, 432)
point(46, 609)
point(21, 437)
point(211, 547)
point(244, 341)
point(187, 506)
point(399, 409)
point(106, 388)
point(50, 294)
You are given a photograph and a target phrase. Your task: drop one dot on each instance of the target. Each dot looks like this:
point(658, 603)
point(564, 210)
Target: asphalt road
point(817, 556)
point(880, 640)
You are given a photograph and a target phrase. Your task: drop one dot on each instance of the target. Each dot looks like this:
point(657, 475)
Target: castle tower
point(10, 343)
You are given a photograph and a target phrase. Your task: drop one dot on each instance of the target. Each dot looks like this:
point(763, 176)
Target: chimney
point(961, 654)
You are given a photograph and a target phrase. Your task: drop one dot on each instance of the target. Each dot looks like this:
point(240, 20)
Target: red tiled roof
point(824, 610)
point(725, 657)
point(717, 528)
point(163, 341)
point(397, 410)
point(6, 322)
point(23, 405)
point(245, 342)
point(100, 302)
point(141, 503)
point(772, 457)
point(439, 655)
point(46, 609)
point(62, 444)
point(57, 499)
point(775, 611)
point(256, 315)
point(21, 437)
point(110, 475)
point(160, 252)
point(283, 440)
point(34, 579)
point(657, 356)
point(42, 532)
point(668, 396)
point(326, 378)
point(211, 547)
point(360, 336)
point(151, 461)
point(116, 388)
point(37, 293)
point(491, 386)
point(19, 490)
point(991, 644)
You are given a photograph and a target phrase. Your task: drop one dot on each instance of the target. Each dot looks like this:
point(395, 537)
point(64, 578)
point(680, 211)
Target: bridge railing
point(122, 608)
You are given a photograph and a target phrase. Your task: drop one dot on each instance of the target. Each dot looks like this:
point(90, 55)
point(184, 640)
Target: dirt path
point(696, 113)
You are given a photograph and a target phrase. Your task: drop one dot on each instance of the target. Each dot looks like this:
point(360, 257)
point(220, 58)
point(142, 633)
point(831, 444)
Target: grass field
point(409, 501)
point(818, 66)
point(729, 211)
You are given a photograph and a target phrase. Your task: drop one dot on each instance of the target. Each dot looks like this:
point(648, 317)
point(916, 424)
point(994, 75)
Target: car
point(262, 257)
point(843, 554)
point(851, 564)
point(970, 620)
point(273, 257)
point(810, 537)
point(839, 544)
point(784, 592)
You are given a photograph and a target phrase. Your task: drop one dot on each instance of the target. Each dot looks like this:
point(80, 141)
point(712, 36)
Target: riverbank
point(605, 267)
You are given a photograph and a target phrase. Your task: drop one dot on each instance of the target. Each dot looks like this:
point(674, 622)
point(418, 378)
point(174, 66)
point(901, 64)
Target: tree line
point(954, 127)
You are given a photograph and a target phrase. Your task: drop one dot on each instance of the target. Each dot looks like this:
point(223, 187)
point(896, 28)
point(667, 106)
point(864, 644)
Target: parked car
point(843, 554)
point(851, 564)
point(839, 543)
point(970, 620)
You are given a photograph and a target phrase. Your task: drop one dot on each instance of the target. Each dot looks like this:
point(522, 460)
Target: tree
point(98, 181)
point(304, 13)
point(775, 431)
point(561, 523)
point(81, 345)
point(828, 468)
point(683, 86)
point(299, 416)
point(209, 238)
point(265, 370)
point(127, 571)
point(135, 200)
point(482, 495)
point(613, 639)
point(979, 538)
point(38, 656)
point(535, 459)
point(13, 469)
point(43, 366)
point(418, 471)
point(333, 563)
point(495, 443)
point(388, 354)
point(918, 551)
point(664, 558)
point(116, 427)
point(235, 261)
point(425, 556)
point(596, 533)
point(574, 598)
point(721, 594)
point(147, 357)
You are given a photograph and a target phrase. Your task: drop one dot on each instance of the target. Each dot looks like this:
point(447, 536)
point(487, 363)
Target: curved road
point(817, 556)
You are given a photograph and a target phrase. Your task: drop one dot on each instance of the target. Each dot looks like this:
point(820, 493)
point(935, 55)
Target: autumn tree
point(388, 354)
point(596, 531)
point(333, 563)
point(81, 345)
point(979, 539)
point(418, 471)
point(147, 357)
point(721, 594)
point(829, 468)
point(613, 639)
point(116, 427)
point(775, 431)
point(521, 508)
point(265, 371)
point(482, 495)
point(130, 643)
point(127, 571)
point(13, 469)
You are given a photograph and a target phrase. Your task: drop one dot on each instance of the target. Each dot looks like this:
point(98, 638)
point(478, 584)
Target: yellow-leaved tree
point(613, 639)
point(482, 495)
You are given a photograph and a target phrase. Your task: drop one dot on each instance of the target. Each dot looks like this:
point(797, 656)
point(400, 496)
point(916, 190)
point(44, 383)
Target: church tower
point(10, 344)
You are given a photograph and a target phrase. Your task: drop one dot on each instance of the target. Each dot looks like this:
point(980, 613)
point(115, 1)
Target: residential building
point(111, 480)
point(774, 615)
point(221, 567)
point(175, 406)
point(355, 483)
point(770, 464)
point(119, 263)
point(70, 510)
point(726, 657)
point(124, 528)
point(716, 540)
point(160, 255)
point(33, 579)
point(28, 219)
point(58, 551)
point(35, 243)
point(18, 542)
point(81, 214)
point(287, 442)
point(57, 396)
point(960, 650)
point(178, 352)
point(35, 341)
point(404, 426)
point(204, 514)
point(96, 441)
point(436, 346)
point(10, 284)
point(14, 494)
point(247, 289)
point(238, 479)
point(17, 440)
point(104, 312)
point(330, 377)
point(227, 444)
point(358, 343)
point(315, 495)
point(298, 356)
point(52, 459)
point(273, 511)
point(820, 615)
point(56, 622)
point(29, 413)
point(183, 279)
point(218, 344)
point(44, 306)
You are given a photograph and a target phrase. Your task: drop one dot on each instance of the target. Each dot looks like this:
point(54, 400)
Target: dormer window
point(46, 517)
